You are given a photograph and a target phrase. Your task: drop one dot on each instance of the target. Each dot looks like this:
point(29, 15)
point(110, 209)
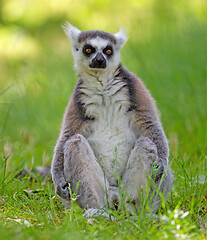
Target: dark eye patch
point(88, 49)
point(108, 50)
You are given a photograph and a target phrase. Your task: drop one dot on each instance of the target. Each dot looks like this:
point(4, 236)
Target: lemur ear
point(72, 32)
point(121, 37)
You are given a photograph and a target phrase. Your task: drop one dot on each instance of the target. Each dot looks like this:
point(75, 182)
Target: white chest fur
point(108, 104)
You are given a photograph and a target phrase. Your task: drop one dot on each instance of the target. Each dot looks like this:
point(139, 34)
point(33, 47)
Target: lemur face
point(95, 51)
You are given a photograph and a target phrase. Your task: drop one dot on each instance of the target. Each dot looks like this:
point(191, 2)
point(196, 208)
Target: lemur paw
point(113, 198)
point(93, 212)
point(62, 189)
point(146, 146)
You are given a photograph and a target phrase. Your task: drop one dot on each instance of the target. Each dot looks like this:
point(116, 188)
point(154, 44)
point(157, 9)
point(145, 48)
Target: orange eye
point(108, 52)
point(88, 50)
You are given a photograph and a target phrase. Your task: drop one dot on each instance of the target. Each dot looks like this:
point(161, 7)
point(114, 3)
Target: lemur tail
point(34, 173)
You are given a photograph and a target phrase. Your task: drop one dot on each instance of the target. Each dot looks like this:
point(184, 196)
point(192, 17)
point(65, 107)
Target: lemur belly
point(104, 141)
point(110, 130)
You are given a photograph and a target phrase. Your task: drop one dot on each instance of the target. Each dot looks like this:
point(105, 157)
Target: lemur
point(109, 108)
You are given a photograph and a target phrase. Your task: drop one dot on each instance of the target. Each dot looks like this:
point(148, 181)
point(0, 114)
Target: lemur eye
point(108, 52)
point(88, 50)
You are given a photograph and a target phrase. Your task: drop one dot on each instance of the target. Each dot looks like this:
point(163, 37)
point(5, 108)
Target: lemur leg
point(163, 183)
point(138, 169)
point(80, 165)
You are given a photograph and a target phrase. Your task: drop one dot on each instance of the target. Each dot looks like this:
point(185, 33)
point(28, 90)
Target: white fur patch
point(108, 103)
point(120, 37)
point(99, 43)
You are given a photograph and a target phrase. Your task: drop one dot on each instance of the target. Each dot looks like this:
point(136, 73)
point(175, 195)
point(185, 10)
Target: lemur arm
point(72, 124)
point(145, 117)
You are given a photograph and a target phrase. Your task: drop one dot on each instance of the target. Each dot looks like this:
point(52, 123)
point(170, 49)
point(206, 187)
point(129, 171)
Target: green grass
point(170, 56)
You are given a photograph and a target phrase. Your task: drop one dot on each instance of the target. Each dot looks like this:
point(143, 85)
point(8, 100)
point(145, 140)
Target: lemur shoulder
point(110, 108)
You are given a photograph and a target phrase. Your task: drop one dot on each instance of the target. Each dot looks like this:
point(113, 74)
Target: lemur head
point(95, 51)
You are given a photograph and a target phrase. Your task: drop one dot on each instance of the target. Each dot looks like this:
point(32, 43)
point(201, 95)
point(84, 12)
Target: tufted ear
point(121, 37)
point(72, 33)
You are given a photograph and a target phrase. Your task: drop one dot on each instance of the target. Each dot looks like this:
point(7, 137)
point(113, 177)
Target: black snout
point(99, 58)
point(98, 61)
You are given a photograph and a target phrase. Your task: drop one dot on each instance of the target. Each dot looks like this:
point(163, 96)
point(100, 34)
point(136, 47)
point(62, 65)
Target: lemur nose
point(99, 58)
point(98, 61)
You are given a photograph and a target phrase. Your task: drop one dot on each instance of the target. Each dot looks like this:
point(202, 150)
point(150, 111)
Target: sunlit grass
point(16, 43)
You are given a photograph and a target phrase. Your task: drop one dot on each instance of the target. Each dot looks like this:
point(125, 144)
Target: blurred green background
point(167, 48)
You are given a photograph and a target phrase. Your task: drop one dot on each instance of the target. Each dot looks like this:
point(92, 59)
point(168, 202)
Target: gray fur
point(80, 165)
point(109, 108)
point(96, 33)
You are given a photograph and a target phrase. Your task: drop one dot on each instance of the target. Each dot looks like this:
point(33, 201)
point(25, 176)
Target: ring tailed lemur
point(110, 107)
